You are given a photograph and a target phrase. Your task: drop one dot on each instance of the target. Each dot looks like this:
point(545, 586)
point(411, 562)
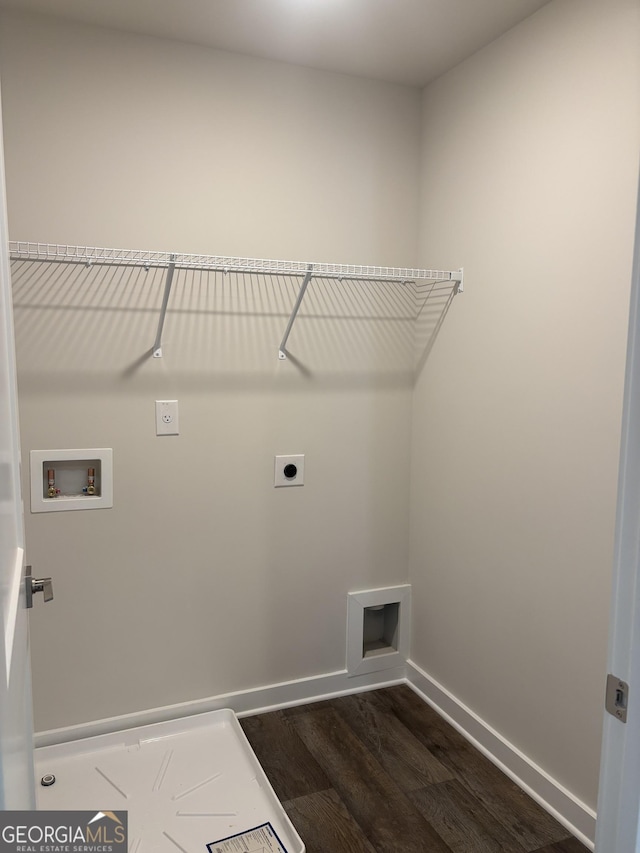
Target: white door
point(17, 784)
point(617, 829)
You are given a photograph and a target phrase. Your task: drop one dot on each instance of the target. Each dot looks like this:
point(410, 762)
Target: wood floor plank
point(528, 823)
point(290, 767)
point(569, 845)
point(324, 824)
point(462, 821)
point(403, 756)
point(387, 818)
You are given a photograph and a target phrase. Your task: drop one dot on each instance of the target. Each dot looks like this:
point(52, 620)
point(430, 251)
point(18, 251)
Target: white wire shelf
point(100, 256)
point(21, 250)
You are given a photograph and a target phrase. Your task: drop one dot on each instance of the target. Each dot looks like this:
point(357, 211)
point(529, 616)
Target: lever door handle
point(34, 585)
point(44, 585)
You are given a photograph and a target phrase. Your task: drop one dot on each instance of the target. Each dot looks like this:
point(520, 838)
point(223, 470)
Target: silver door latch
point(34, 585)
point(617, 697)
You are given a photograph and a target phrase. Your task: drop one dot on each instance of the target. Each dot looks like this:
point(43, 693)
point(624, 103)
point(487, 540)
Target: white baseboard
point(244, 703)
point(577, 817)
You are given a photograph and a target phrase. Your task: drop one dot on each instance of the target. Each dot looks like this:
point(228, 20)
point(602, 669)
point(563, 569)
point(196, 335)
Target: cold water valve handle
point(34, 585)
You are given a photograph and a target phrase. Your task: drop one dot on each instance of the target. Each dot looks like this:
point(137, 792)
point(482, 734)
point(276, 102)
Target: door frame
point(618, 813)
point(17, 779)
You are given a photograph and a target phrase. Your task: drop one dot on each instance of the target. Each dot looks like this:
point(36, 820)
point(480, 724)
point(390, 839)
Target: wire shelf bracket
point(171, 261)
point(282, 350)
point(157, 347)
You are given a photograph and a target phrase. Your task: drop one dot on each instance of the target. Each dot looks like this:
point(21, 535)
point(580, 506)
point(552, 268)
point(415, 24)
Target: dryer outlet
point(289, 470)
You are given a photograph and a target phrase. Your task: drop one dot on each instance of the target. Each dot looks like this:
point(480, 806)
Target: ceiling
point(401, 41)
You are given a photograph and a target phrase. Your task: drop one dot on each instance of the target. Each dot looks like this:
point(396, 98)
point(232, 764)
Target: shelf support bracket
point(157, 347)
point(282, 351)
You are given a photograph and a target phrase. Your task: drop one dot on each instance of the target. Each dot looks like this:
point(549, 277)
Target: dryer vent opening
point(378, 629)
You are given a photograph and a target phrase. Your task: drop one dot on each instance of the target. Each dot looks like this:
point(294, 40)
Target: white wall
point(203, 579)
point(530, 163)
point(148, 143)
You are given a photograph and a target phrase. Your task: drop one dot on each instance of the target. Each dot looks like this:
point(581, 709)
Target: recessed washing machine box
point(71, 479)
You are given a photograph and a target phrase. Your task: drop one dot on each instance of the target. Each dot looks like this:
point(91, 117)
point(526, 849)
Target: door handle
point(34, 585)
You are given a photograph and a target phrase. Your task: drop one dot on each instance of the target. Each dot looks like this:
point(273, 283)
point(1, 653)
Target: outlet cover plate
point(167, 417)
point(289, 470)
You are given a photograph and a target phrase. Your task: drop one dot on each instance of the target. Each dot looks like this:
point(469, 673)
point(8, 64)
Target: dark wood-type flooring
point(381, 772)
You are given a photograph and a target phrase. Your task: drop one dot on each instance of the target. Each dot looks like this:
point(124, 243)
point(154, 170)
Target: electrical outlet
point(167, 417)
point(289, 470)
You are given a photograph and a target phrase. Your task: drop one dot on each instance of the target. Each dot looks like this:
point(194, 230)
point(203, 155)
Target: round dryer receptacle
point(290, 471)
